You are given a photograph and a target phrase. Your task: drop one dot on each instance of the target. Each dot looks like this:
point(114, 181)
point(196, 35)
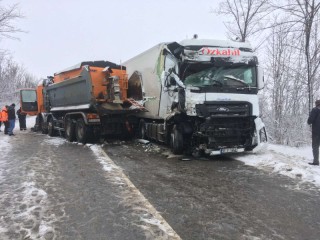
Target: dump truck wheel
point(44, 127)
point(142, 130)
point(82, 131)
point(176, 141)
point(70, 132)
point(51, 131)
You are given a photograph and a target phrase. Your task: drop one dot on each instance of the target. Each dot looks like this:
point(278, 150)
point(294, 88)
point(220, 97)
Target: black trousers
point(22, 122)
point(315, 147)
point(6, 127)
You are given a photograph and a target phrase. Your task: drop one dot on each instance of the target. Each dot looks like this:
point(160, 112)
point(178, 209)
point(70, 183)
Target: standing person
point(314, 119)
point(5, 120)
point(22, 119)
point(12, 119)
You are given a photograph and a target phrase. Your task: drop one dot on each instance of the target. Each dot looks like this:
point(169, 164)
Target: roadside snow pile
point(289, 161)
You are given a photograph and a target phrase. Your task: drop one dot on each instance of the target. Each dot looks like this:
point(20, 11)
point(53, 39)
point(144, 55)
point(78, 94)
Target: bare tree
point(8, 15)
point(12, 78)
point(305, 19)
point(247, 17)
point(281, 58)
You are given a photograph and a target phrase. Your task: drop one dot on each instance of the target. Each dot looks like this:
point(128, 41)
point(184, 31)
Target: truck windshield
point(28, 96)
point(230, 76)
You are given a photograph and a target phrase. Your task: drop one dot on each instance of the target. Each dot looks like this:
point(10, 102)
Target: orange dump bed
point(109, 81)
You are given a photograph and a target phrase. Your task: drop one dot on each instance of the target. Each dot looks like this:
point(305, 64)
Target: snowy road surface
point(221, 198)
point(52, 189)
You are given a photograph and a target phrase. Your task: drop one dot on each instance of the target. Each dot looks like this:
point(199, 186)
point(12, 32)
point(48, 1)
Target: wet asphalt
point(52, 189)
point(220, 198)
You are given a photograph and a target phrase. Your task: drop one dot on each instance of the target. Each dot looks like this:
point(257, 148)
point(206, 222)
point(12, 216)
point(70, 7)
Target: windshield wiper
point(236, 79)
point(244, 88)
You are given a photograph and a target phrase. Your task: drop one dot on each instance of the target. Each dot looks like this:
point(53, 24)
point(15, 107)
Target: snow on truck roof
point(101, 64)
point(199, 42)
point(215, 43)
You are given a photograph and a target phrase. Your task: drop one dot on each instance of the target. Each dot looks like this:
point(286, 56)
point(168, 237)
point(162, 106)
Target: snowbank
point(289, 161)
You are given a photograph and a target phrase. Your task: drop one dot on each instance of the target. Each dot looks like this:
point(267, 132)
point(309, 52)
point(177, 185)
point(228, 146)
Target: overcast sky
point(62, 33)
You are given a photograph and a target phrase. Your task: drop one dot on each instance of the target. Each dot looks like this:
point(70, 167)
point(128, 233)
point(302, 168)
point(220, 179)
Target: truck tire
point(82, 131)
point(51, 131)
point(176, 141)
point(70, 132)
point(142, 130)
point(44, 126)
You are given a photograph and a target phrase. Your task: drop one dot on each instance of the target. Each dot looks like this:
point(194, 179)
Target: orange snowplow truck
point(84, 103)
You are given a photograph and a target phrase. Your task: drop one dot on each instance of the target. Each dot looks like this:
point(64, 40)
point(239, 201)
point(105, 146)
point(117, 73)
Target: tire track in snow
point(153, 224)
point(25, 207)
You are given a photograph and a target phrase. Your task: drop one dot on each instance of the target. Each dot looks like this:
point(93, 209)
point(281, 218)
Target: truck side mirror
point(260, 78)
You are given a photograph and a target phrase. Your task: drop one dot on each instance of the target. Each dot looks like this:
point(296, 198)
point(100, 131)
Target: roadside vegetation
point(286, 36)
point(13, 76)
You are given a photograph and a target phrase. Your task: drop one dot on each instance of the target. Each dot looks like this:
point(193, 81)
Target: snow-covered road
point(52, 189)
point(61, 190)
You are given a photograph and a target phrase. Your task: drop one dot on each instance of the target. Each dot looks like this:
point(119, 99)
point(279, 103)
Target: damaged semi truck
point(82, 103)
point(201, 96)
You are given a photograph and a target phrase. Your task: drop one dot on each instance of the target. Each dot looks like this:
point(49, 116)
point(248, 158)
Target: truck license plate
point(229, 150)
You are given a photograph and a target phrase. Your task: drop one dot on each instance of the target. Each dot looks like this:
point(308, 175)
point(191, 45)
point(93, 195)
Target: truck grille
point(224, 109)
point(228, 132)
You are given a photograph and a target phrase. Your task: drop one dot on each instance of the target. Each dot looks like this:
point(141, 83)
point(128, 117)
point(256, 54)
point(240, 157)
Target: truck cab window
point(29, 96)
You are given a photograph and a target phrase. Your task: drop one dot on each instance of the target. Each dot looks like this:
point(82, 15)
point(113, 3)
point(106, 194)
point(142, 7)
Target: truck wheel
point(51, 131)
point(176, 141)
point(142, 130)
point(82, 131)
point(44, 127)
point(70, 133)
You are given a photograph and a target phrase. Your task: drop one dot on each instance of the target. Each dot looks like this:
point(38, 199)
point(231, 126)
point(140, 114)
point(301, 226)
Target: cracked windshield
point(241, 76)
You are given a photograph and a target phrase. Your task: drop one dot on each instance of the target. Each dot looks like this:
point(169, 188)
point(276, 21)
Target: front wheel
point(176, 140)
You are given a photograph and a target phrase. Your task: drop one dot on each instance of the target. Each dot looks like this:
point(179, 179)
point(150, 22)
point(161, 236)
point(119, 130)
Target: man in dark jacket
point(22, 119)
point(314, 119)
point(12, 119)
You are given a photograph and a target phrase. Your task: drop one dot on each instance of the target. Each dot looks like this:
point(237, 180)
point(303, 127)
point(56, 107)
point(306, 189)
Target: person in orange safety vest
point(4, 118)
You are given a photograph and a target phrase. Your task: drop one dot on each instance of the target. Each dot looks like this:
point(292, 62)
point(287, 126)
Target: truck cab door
point(28, 101)
point(169, 86)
